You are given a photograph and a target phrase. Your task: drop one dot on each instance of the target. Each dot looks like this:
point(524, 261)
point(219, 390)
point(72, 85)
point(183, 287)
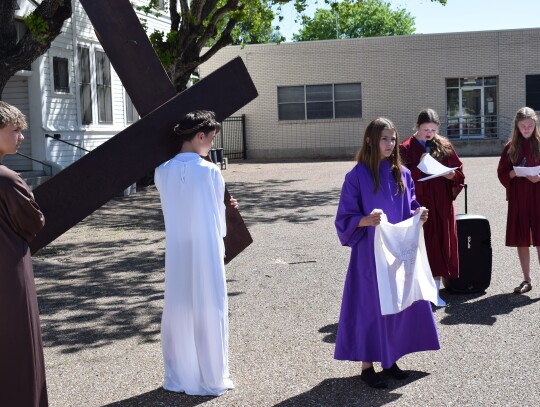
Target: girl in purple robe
point(378, 181)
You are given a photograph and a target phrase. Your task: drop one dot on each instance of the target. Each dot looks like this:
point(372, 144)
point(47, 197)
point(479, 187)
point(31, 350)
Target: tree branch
point(211, 28)
point(224, 40)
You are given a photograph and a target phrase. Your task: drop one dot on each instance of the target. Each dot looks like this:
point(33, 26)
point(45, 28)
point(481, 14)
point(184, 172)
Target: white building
point(71, 91)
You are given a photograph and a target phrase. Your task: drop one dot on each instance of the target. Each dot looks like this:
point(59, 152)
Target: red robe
point(22, 370)
point(437, 194)
point(523, 219)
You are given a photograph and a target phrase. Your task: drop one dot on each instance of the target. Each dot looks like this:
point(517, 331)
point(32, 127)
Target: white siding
point(60, 112)
point(16, 94)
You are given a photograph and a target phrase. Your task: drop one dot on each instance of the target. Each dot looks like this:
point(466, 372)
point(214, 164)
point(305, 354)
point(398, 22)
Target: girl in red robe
point(522, 193)
point(436, 194)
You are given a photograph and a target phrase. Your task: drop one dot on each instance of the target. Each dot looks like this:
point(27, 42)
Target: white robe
point(194, 325)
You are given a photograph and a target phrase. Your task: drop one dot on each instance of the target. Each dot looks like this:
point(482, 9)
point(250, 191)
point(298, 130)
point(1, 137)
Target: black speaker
point(475, 255)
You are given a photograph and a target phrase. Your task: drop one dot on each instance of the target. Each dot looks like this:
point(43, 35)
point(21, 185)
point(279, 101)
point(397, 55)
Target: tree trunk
point(14, 55)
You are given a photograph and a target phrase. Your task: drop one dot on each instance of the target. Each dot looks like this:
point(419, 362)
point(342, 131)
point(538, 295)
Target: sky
point(456, 16)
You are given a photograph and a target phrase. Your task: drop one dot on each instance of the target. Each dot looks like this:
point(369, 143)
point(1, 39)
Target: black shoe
point(396, 372)
point(372, 379)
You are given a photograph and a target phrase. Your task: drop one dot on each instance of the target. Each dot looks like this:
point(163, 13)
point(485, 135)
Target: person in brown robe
point(522, 193)
point(436, 194)
point(22, 368)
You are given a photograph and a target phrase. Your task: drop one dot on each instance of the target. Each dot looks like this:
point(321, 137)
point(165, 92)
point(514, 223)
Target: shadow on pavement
point(349, 392)
point(340, 392)
point(160, 397)
point(484, 311)
point(260, 202)
point(91, 303)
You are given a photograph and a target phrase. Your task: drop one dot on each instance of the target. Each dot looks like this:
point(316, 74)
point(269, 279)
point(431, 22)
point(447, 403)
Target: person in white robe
point(194, 325)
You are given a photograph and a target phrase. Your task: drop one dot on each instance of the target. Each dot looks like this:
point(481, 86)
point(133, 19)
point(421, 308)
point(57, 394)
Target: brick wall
point(399, 75)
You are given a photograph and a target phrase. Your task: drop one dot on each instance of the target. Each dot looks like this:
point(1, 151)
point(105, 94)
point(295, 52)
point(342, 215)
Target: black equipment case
point(475, 254)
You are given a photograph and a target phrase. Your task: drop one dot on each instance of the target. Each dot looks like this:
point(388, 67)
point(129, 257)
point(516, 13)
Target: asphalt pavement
point(100, 289)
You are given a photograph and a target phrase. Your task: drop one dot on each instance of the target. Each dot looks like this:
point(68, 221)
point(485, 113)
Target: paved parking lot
point(100, 290)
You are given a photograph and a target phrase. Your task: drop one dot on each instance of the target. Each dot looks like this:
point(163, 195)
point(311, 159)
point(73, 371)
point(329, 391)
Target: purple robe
point(363, 333)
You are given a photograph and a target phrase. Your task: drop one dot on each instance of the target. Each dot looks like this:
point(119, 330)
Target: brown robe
point(437, 195)
point(22, 369)
point(523, 218)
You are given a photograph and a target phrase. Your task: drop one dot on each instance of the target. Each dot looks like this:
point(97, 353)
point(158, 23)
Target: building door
point(471, 112)
point(471, 107)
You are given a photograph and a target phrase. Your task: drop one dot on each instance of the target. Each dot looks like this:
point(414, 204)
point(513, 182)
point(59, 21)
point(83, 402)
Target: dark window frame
point(85, 85)
point(310, 105)
point(532, 92)
point(103, 88)
point(131, 113)
point(60, 74)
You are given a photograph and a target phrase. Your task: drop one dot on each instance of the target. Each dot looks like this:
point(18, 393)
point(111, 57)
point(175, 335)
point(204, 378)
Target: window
point(85, 88)
point(103, 86)
point(318, 102)
point(61, 74)
point(471, 107)
point(532, 92)
point(131, 113)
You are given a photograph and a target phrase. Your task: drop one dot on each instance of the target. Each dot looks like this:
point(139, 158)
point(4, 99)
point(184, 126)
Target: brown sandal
point(524, 287)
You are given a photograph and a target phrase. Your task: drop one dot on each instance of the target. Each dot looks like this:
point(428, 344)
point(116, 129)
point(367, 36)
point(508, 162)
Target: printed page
point(430, 165)
point(525, 171)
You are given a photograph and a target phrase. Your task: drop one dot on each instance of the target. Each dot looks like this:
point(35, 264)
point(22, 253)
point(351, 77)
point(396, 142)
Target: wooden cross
point(90, 182)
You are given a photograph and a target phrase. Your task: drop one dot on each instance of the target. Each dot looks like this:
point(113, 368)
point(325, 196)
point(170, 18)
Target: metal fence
point(476, 127)
point(232, 137)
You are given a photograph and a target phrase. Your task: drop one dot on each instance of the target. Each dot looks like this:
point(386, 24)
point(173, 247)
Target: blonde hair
point(370, 153)
point(517, 138)
point(10, 115)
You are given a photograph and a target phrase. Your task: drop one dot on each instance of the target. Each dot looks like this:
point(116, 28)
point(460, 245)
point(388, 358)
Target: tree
point(216, 23)
point(43, 26)
point(213, 24)
point(355, 19)
point(195, 24)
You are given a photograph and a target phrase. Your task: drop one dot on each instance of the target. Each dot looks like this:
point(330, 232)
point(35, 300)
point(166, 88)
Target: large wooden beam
point(131, 54)
point(90, 182)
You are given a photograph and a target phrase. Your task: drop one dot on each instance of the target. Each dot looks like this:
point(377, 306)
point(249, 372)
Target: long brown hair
point(370, 153)
point(517, 138)
point(441, 147)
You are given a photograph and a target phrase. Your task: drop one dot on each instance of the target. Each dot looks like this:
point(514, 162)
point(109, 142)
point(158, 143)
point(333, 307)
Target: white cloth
point(194, 325)
point(403, 272)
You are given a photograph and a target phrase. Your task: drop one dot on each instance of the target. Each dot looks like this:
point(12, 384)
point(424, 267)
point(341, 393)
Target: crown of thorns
point(180, 131)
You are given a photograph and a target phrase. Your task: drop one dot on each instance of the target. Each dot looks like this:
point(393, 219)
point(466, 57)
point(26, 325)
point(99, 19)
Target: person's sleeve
point(409, 184)
point(350, 212)
point(219, 193)
point(458, 182)
point(405, 154)
point(504, 168)
point(24, 215)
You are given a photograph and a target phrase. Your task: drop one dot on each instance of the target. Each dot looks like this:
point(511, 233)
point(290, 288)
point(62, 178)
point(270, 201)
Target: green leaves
point(354, 19)
point(165, 46)
point(37, 26)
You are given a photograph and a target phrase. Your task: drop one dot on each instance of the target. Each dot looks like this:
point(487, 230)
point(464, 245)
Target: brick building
point(315, 98)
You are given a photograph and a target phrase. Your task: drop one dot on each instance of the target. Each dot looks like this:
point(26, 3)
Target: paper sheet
point(525, 171)
point(429, 165)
